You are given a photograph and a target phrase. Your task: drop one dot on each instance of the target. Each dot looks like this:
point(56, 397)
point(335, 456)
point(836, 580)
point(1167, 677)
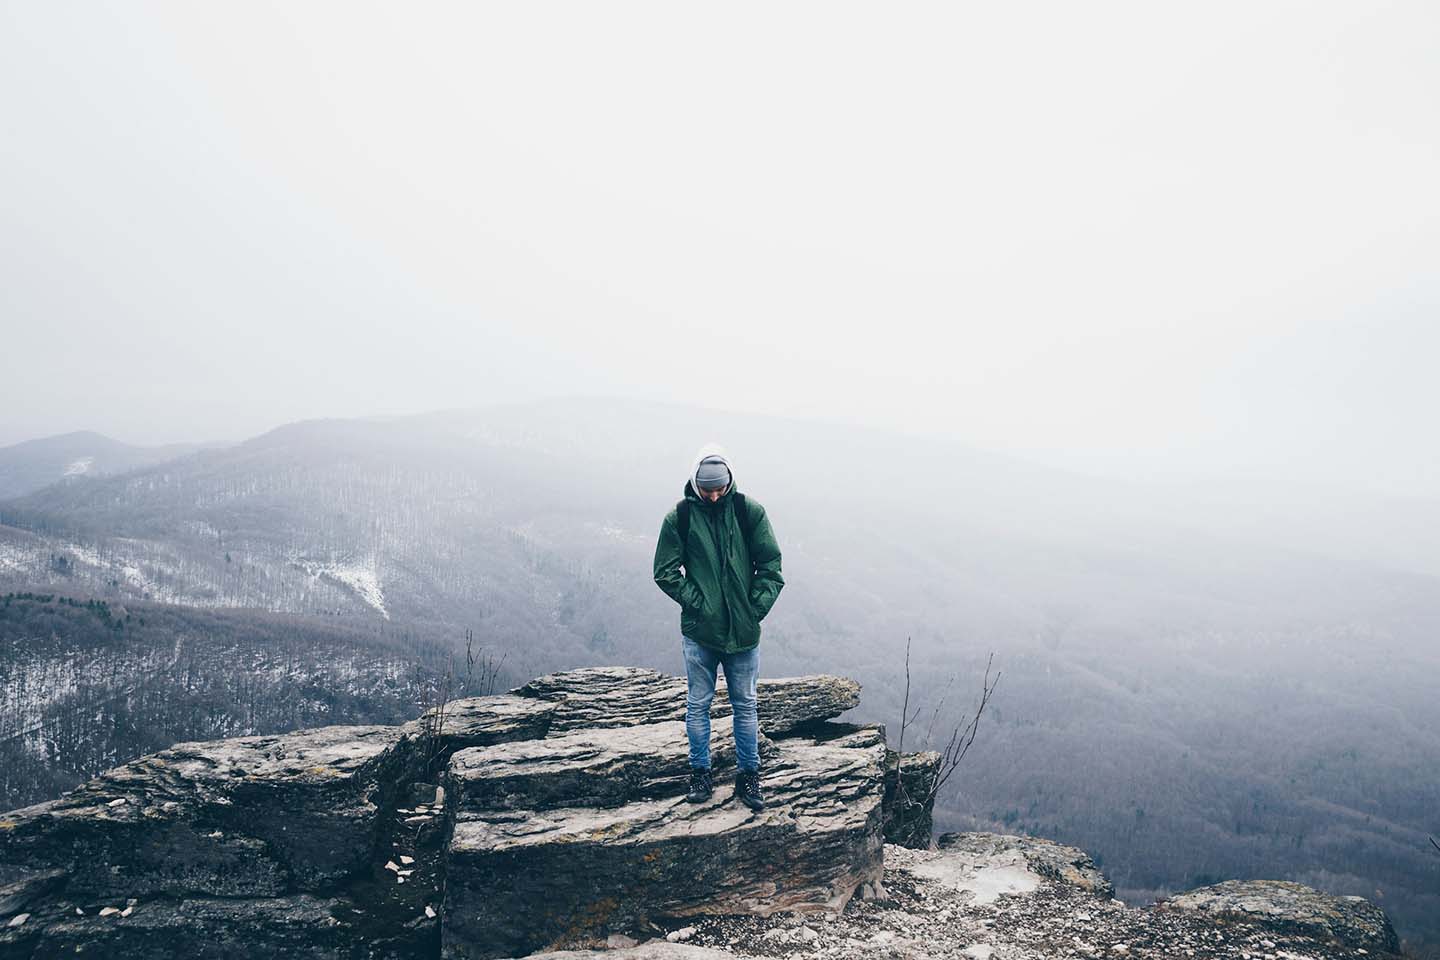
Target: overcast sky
point(1130, 238)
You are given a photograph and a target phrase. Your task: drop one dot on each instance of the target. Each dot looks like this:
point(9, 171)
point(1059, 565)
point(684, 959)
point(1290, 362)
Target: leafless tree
point(437, 694)
point(961, 738)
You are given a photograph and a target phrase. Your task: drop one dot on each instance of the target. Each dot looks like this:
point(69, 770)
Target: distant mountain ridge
point(33, 464)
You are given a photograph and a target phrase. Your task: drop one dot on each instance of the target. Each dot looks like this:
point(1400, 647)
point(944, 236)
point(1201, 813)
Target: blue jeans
point(741, 671)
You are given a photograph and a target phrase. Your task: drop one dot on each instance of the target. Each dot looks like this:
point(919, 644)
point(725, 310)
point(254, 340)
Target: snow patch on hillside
point(359, 578)
point(365, 582)
point(13, 557)
point(80, 466)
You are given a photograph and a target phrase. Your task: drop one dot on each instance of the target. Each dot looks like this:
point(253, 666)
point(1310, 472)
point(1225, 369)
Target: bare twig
point(437, 694)
point(1434, 844)
point(962, 737)
point(935, 714)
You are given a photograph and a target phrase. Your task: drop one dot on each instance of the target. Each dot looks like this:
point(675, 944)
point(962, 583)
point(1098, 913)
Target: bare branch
point(900, 802)
point(961, 738)
point(935, 714)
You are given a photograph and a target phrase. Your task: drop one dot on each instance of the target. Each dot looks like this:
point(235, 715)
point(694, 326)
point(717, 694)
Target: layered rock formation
point(496, 824)
point(552, 816)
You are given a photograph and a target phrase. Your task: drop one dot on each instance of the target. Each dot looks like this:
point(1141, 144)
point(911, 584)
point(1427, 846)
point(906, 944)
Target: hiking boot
point(747, 788)
point(700, 785)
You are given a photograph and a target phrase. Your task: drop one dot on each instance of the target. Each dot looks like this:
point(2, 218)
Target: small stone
point(107, 911)
point(399, 879)
point(127, 911)
point(392, 865)
point(117, 803)
point(677, 936)
point(407, 860)
point(19, 919)
point(79, 912)
point(807, 933)
point(430, 911)
point(618, 941)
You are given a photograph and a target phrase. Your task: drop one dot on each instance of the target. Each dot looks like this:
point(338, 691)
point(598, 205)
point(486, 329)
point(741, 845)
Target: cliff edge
point(551, 817)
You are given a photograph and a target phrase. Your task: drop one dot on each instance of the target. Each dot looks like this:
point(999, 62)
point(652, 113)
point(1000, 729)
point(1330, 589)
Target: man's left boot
point(747, 788)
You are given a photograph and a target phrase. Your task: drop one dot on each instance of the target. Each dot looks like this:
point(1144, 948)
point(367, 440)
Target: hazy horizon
point(1127, 241)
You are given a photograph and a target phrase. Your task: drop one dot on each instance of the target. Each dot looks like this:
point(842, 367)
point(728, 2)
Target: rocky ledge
point(552, 817)
point(982, 896)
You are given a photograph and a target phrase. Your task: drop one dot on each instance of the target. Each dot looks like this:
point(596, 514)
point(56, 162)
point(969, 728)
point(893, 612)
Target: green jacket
point(727, 586)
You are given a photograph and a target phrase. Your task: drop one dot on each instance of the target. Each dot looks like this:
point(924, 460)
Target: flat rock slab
point(1293, 908)
point(597, 768)
point(481, 721)
point(302, 926)
point(250, 816)
point(525, 880)
point(1070, 866)
point(653, 950)
point(625, 696)
point(980, 868)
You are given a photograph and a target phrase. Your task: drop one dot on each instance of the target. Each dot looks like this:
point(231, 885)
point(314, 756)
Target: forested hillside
point(29, 466)
point(86, 685)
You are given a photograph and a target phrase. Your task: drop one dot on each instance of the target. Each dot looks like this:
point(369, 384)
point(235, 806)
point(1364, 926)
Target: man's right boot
point(700, 785)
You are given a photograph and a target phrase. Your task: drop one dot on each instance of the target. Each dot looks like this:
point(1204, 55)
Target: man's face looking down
point(715, 494)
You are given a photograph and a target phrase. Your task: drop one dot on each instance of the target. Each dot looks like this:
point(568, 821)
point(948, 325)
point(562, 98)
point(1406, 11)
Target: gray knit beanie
point(713, 473)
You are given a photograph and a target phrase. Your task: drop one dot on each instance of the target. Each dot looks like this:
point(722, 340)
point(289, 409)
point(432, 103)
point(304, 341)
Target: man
point(718, 559)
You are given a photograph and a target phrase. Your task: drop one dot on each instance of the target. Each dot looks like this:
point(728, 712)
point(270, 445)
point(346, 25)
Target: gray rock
point(477, 722)
point(1044, 858)
point(303, 927)
point(1293, 908)
point(525, 880)
point(18, 895)
point(251, 816)
point(603, 768)
point(787, 703)
point(908, 812)
point(593, 697)
point(908, 823)
point(652, 950)
point(559, 823)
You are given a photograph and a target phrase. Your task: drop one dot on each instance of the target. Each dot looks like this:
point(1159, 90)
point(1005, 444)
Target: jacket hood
point(712, 449)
